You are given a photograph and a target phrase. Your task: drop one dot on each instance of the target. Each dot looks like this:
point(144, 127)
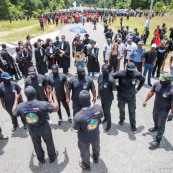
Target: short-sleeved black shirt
point(58, 83)
point(35, 113)
point(87, 123)
point(7, 93)
point(164, 96)
point(161, 52)
point(77, 85)
point(106, 87)
point(150, 57)
point(127, 85)
point(39, 83)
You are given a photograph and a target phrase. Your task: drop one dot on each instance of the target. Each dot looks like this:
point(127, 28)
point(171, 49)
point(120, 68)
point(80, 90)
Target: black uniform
point(35, 113)
point(77, 85)
point(87, 123)
point(58, 82)
point(127, 93)
point(106, 85)
point(39, 83)
point(161, 55)
point(162, 106)
point(8, 95)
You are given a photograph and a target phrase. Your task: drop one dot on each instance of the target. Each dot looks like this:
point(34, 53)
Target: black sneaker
point(14, 128)
point(42, 161)
point(134, 129)
point(82, 166)
point(70, 119)
point(153, 129)
point(52, 160)
point(104, 121)
point(150, 84)
point(59, 122)
point(121, 122)
point(107, 128)
point(25, 126)
point(155, 144)
point(94, 159)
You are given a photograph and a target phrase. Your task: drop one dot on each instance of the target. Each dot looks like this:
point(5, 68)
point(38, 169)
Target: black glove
point(170, 117)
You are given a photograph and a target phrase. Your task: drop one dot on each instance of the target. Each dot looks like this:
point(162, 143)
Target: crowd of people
point(45, 93)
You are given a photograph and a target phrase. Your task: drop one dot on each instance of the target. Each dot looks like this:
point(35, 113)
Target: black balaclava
point(6, 81)
point(129, 73)
point(105, 70)
point(55, 70)
point(33, 75)
point(30, 93)
point(165, 83)
point(81, 73)
point(84, 98)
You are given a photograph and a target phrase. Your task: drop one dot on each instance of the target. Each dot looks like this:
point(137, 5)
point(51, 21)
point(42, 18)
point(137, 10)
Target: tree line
point(36, 7)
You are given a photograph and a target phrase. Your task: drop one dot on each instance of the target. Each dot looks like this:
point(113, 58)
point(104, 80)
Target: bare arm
point(94, 95)
point(55, 101)
point(150, 94)
point(48, 91)
point(67, 96)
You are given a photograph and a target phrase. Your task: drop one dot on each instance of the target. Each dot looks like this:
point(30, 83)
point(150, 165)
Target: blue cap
point(5, 75)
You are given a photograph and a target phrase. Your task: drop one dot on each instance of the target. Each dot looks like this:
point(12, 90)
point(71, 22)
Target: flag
point(74, 4)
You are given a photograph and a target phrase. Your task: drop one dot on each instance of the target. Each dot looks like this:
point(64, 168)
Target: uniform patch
point(40, 84)
point(85, 87)
point(31, 118)
point(92, 124)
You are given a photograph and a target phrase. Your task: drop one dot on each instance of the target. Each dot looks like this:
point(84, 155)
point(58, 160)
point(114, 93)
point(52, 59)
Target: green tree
point(159, 6)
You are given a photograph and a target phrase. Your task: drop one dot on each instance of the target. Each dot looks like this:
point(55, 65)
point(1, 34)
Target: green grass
point(17, 30)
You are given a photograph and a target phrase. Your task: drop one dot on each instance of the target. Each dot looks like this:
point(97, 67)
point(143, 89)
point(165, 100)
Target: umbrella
point(78, 30)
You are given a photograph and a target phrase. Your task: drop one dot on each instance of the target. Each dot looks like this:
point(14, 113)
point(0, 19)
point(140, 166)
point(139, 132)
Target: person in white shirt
point(129, 48)
point(106, 50)
point(121, 48)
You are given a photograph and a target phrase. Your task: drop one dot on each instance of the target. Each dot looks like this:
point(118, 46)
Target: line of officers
point(40, 103)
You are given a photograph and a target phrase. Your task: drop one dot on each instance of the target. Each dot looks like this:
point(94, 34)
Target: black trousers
point(47, 137)
point(14, 119)
point(138, 66)
point(131, 108)
point(65, 70)
point(159, 118)
point(76, 108)
point(85, 151)
point(157, 67)
point(0, 130)
point(113, 65)
point(107, 112)
point(65, 105)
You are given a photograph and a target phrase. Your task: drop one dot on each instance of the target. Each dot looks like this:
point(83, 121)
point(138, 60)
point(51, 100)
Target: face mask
point(33, 76)
point(165, 83)
point(129, 73)
point(81, 74)
point(6, 81)
point(105, 73)
point(55, 74)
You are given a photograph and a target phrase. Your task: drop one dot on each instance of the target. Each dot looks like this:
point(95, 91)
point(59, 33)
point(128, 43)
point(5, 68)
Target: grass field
point(139, 23)
point(17, 30)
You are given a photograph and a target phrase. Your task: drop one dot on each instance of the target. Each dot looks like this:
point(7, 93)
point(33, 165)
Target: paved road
point(121, 150)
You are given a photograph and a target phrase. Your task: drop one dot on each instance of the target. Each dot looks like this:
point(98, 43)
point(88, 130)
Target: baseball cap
point(165, 77)
point(131, 66)
point(140, 42)
point(5, 75)
point(153, 45)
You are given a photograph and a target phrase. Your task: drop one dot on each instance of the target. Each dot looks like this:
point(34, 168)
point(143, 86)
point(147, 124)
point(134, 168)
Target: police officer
point(78, 83)
point(106, 86)
point(127, 92)
point(59, 81)
point(86, 124)
point(38, 82)
point(162, 105)
point(7, 96)
point(36, 113)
